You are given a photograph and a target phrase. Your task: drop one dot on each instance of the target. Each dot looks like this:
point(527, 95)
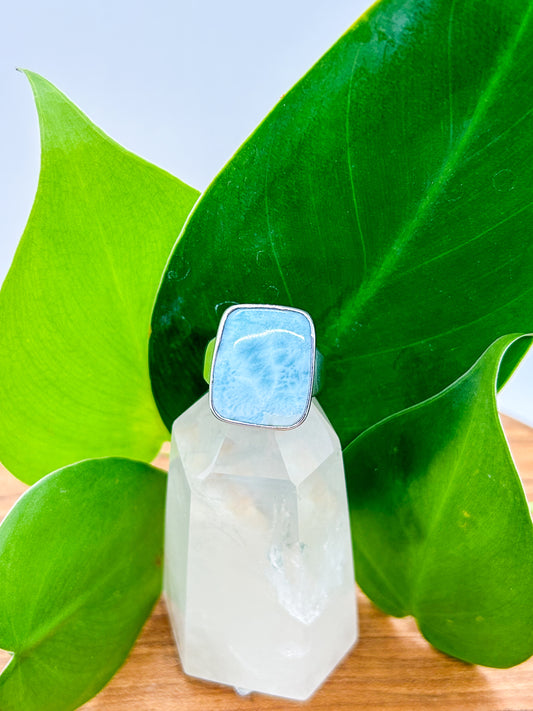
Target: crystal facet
point(263, 366)
point(258, 562)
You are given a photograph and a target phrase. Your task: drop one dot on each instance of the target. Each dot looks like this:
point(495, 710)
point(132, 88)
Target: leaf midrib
point(65, 615)
point(126, 310)
point(374, 283)
point(423, 556)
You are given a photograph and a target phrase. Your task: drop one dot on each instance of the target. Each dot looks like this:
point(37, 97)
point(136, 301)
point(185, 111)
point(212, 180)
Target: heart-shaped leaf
point(75, 307)
point(389, 195)
point(440, 524)
point(80, 565)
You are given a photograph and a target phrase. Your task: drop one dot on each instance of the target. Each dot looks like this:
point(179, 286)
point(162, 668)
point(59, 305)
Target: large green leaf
point(80, 565)
point(440, 524)
point(75, 307)
point(388, 194)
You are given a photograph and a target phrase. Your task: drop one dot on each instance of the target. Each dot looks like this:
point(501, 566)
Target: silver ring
point(263, 367)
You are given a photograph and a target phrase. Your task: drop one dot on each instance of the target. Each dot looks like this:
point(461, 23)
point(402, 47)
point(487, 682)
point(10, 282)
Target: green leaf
point(75, 307)
point(80, 566)
point(440, 524)
point(389, 195)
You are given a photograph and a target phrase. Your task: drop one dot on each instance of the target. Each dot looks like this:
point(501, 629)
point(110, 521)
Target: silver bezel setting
point(220, 330)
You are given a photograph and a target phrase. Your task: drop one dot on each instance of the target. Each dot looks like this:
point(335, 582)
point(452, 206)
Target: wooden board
point(391, 669)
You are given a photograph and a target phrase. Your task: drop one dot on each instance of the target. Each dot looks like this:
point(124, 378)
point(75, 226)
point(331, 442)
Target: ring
point(263, 367)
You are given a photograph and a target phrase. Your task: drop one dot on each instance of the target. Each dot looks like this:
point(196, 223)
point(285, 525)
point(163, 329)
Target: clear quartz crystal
point(259, 576)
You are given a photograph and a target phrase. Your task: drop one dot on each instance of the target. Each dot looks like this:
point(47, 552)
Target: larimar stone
point(259, 577)
point(263, 366)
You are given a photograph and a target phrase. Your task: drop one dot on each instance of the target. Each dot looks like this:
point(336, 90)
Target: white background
point(181, 85)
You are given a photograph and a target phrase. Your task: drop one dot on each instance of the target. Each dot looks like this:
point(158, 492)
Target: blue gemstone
point(263, 366)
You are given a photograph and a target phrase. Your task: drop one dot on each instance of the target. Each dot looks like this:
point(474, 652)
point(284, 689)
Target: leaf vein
point(458, 247)
point(455, 329)
point(350, 166)
point(269, 226)
point(396, 250)
point(436, 518)
point(449, 57)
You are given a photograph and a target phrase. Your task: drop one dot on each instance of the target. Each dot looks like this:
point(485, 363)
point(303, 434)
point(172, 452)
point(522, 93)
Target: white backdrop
point(180, 84)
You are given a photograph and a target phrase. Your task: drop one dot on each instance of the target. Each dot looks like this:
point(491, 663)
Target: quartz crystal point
point(259, 575)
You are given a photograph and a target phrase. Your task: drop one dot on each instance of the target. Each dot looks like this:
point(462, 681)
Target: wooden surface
point(391, 669)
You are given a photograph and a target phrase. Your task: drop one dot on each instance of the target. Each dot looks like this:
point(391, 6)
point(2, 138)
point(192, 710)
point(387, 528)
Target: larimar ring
point(263, 367)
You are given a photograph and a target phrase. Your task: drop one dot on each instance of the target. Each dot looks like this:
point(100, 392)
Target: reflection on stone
point(258, 561)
